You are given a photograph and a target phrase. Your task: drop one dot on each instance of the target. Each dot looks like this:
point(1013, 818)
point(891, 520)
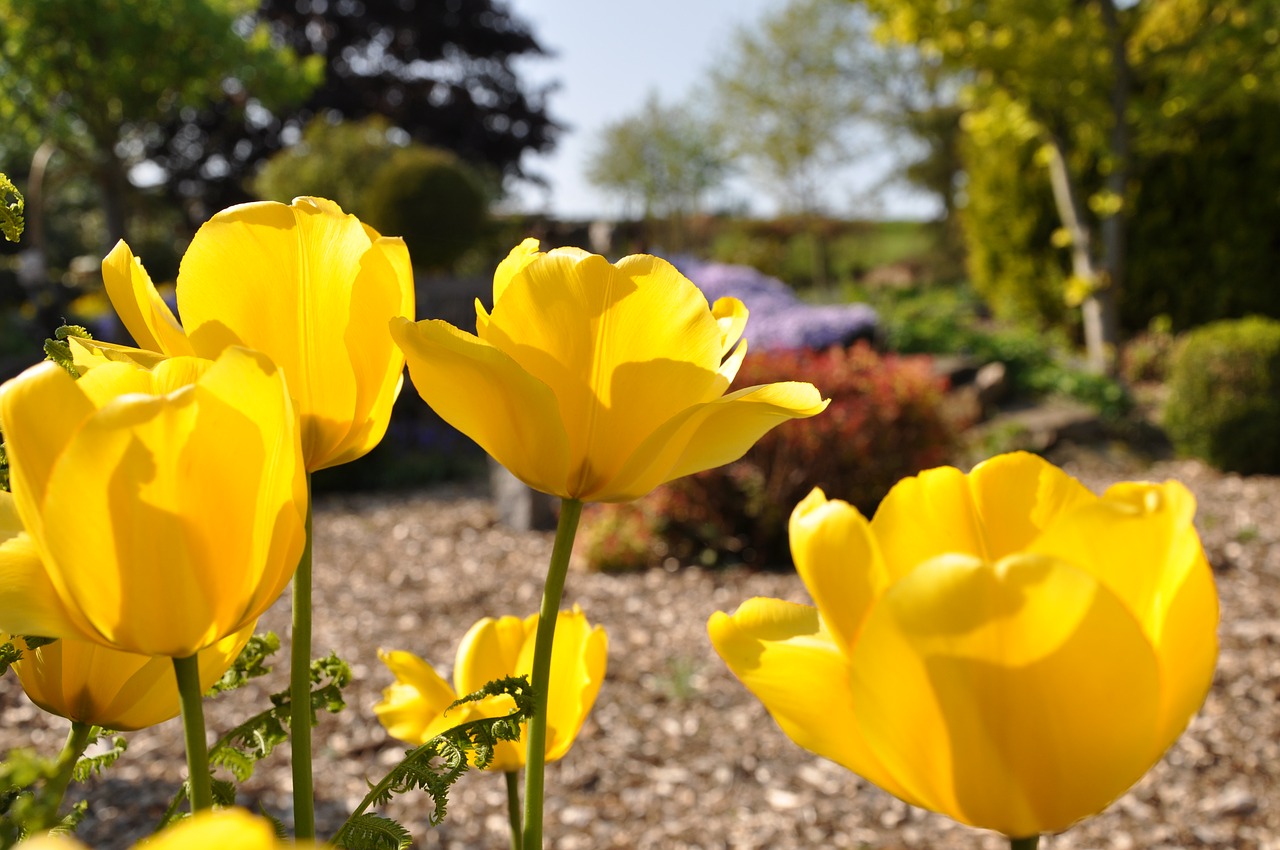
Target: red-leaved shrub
point(887, 420)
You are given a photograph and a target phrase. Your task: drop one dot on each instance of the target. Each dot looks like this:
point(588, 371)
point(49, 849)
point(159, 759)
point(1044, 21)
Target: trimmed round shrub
point(1224, 395)
point(433, 200)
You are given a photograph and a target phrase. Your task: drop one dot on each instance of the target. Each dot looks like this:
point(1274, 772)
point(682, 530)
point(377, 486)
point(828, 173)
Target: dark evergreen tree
point(441, 70)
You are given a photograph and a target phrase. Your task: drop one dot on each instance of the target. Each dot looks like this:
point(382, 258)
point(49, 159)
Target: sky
point(608, 55)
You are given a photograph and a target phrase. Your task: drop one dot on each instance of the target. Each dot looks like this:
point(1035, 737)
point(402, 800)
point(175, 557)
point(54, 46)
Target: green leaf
point(11, 207)
point(87, 766)
point(374, 832)
point(434, 766)
point(249, 664)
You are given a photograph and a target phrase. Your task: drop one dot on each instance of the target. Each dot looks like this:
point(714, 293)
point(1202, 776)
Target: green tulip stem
point(191, 697)
point(304, 804)
point(77, 741)
point(1024, 843)
point(536, 737)
point(513, 807)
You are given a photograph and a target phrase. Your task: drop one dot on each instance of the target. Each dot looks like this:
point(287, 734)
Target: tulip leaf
point(434, 766)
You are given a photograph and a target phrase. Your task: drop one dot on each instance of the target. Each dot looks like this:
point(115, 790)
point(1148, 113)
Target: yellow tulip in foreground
point(91, 684)
point(224, 829)
point(164, 507)
point(413, 708)
point(306, 284)
point(1003, 647)
point(598, 382)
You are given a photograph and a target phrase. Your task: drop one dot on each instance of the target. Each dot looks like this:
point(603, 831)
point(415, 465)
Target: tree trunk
point(1101, 334)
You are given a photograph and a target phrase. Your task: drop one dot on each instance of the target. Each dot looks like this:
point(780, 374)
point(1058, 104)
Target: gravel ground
point(676, 753)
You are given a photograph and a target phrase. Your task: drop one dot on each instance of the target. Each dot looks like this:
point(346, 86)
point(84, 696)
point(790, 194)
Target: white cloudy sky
point(608, 56)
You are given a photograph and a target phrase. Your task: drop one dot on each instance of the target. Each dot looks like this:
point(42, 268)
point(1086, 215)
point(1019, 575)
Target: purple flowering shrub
point(779, 320)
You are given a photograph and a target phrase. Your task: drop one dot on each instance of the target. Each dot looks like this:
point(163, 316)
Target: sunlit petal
point(141, 309)
point(485, 394)
point(784, 656)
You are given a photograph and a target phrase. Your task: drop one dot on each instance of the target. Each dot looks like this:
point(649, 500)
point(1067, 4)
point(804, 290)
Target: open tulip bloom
point(598, 382)
point(1003, 647)
point(593, 382)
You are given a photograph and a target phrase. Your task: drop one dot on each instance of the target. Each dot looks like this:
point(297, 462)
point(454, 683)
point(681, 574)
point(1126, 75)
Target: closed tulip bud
point(413, 708)
point(306, 284)
point(598, 382)
point(164, 509)
point(1003, 647)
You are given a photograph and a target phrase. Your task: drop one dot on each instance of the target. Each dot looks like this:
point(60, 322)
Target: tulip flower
point(96, 686)
point(165, 507)
point(414, 708)
point(598, 382)
point(210, 830)
point(1003, 647)
point(306, 284)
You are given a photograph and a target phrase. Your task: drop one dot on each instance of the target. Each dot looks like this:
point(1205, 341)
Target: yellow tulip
point(413, 708)
point(221, 829)
point(1003, 647)
point(306, 284)
point(91, 684)
point(598, 382)
point(164, 508)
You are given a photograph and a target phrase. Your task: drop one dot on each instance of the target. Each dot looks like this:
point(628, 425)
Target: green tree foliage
point(443, 72)
point(662, 158)
point(786, 97)
point(1101, 82)
point(1224, 395)
point(99, 78)
point(335, 159)
point(433, 200)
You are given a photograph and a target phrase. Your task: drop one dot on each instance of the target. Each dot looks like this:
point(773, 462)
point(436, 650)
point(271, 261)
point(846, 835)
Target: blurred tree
point(787, 96)
point(97, 78)
point(334, 159)
point(441, 70)
point(1097, 79)
point(663, 159)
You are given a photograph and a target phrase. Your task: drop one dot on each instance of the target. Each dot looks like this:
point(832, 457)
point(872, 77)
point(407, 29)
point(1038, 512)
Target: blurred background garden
point(1096, 256)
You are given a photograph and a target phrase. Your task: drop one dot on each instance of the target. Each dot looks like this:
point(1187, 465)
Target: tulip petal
point(29, 603)
point(88, 354)
point(1017, 496)
point(925, 516)
point(190, 503)
point(624, 348)
point(141, 309)
point(486, 395)
point(492, 649)
point(413, 707)
point(301, 284)
point(519, 257)
point(783, 654)
point(578, 659)
point(709, 435)
point(839, 562)
point(1139, 541)
point(1018, 697)
point(39, 411)
point(731, 316)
